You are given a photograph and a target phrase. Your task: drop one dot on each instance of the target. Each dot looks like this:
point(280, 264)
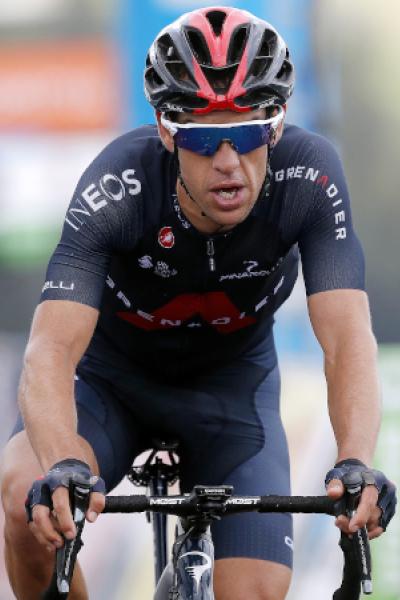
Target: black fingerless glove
point(63, 474)
point(386, 489)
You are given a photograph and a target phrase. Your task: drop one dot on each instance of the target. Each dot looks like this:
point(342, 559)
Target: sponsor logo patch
point(146, 262)
point(161, 268)
point(289, 542)
point(196, 571)
point(108, 189)
point(251, 269)
point(166, 237)
point(58, 285)
point(331, 191)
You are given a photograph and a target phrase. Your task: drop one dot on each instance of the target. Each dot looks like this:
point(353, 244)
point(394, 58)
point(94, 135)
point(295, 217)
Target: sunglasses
point(205, 139)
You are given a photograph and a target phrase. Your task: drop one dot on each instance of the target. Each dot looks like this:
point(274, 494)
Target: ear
point(166, 137)
point(279, 130)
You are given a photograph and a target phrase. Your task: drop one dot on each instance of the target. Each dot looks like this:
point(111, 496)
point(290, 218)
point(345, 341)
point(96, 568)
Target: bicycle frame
point(189, 576)
point(156, 475)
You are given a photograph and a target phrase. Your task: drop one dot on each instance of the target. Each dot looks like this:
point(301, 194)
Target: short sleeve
point(331, 253)
point(103, 218)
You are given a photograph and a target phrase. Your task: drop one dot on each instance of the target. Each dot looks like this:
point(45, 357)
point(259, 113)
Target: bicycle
point(188, 575)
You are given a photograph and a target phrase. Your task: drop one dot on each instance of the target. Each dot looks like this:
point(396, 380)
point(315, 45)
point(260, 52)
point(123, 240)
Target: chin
point(232, 218)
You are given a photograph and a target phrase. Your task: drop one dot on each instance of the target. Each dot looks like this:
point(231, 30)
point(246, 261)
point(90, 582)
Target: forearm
point(46, 399)
point(354, 396)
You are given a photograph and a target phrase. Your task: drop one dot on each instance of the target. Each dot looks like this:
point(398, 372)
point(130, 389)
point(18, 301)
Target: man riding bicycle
point(180, 243)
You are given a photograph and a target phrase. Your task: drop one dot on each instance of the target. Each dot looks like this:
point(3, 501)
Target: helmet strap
point(188, 193)
point(264, 188)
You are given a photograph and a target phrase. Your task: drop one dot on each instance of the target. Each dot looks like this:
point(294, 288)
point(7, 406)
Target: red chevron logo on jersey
point(213, 308)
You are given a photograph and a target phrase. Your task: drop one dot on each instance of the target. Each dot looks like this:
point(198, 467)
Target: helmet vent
point(220, 79)
point(285, 71)
point(172, 61)
point(264, 57)
point(198, 46)
point(166, 48)
point(237, 44)
point(217, 20)
point(268, 44)
point(180, 73)
point(260, 66)
point(153, 80)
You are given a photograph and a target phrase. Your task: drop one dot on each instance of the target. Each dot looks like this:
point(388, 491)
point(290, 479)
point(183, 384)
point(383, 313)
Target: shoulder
point(133, 171)
point(301, 147)
point(130, 165)
point(307, 160)
point(142, 146)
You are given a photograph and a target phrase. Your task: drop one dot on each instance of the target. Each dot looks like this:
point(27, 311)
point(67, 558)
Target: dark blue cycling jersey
point(128, 250)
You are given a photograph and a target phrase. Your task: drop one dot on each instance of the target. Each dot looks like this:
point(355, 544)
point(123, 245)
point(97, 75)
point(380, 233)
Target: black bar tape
point(297, 504)
point(182, 506)
point(351, 585)
point(126, 504)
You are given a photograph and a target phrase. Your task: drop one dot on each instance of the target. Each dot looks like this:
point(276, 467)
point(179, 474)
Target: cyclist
point(180, 243)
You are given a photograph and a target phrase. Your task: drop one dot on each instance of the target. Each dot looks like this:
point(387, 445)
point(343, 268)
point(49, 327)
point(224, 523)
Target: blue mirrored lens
point(206, 140)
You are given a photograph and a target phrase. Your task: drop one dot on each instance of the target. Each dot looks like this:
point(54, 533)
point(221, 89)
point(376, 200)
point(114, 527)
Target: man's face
point(224, 186)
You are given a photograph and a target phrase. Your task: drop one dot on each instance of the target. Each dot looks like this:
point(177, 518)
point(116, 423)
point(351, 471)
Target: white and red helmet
point(218, 58)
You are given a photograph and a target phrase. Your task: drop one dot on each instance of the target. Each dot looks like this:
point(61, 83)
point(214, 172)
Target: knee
point(13, 495)
point(254, 590)
point(236, 579)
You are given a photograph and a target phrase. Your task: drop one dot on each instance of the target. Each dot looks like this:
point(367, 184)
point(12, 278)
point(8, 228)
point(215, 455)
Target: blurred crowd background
point(70, 81)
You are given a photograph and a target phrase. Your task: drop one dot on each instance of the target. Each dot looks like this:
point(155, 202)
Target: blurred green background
point(70, 81)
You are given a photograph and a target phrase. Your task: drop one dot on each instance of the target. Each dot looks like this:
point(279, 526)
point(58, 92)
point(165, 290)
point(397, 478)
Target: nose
point(226, 159)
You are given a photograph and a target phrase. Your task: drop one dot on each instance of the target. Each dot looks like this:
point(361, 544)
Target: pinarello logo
point(166, 237)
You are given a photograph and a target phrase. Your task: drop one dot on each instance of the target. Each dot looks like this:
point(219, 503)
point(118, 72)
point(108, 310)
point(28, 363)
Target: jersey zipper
point(211, 254)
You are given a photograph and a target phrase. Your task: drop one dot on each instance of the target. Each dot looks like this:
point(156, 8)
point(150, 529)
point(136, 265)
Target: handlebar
point(182, 506)
point(207, 502)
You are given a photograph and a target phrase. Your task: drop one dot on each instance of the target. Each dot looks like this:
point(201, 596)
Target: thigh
point(19, 468)
point(106, 425)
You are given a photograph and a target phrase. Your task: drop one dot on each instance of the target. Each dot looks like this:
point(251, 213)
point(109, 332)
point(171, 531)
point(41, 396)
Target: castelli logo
point(166, 237)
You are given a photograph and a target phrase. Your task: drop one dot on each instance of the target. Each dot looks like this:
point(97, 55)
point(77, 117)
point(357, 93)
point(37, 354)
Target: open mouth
point(228, 194)
point(228, 198)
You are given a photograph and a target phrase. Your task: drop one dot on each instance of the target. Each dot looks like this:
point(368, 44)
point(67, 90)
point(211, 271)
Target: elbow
point(46, 356)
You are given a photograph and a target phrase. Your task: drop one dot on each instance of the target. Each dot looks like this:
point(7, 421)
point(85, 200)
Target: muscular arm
point(341, 322)
point(60, 333)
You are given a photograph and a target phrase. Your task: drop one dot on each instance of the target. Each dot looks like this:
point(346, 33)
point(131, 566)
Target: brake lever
point(359, 540)
point(66, 555)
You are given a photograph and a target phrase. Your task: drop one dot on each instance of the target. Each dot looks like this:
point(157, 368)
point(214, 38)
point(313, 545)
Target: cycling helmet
point(218, 58)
